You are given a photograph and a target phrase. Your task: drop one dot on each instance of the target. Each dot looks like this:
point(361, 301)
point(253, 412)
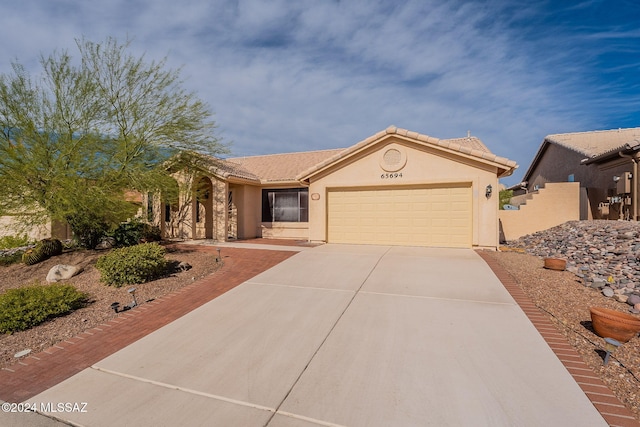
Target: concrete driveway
point(340, 335)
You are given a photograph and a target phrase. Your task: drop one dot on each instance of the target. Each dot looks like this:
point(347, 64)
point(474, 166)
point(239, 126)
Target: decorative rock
point(22, 353)
point(621, 298)
point(607, 292)
point(596, 248)
point(633, 299)
point(62, 272)
point(184, 266)
point(106, 243)
point(637, 306)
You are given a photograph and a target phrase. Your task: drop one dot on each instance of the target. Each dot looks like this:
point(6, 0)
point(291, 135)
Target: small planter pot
point(613, 324)
point(557, 264)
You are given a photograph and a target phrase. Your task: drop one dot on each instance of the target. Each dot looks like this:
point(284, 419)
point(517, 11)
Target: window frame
point(270, 213)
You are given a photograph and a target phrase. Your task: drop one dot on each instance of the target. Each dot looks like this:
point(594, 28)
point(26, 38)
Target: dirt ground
point(566, 302)
point(98, 310)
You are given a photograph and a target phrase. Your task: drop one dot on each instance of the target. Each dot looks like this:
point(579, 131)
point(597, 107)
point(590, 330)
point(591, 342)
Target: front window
point(285, 205)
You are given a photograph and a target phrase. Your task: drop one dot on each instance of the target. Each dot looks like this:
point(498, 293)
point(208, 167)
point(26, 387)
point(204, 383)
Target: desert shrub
point(10, 242)
point(134, 232)
point(133, 264)
point(151, 233)
point(89, 228)
point(11, 258)
point(23, 308)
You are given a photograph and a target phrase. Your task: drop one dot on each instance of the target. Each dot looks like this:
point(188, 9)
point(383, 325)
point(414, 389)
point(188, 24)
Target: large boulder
point(62, 272)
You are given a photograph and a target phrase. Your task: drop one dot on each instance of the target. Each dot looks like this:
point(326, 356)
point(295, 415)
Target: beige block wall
point(9, 226)
point(553, 205)
point(285, 230)
point(423, 166)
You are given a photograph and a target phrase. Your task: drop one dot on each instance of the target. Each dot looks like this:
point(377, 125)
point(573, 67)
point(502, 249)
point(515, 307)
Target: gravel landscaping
point(600, 255)
point(98, 310)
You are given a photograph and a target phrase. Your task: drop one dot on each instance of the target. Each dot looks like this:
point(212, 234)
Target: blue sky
point(301, 75)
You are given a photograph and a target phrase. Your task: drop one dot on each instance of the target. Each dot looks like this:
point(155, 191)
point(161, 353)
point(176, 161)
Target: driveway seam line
point(327, 336)
point(440, 298)
point(183, 389)
point(312, 420)
point(298, 287)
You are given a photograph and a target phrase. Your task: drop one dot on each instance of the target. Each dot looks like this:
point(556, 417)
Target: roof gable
point(470, 147)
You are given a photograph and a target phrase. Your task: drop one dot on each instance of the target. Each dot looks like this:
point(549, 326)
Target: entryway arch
point(203, 209)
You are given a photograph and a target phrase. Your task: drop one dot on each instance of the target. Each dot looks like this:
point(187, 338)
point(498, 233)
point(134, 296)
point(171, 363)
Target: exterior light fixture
point(132, 291)
point(488, 191)
point(616, 178)
point(116, 305)
point(219, 259)
point(610, 346)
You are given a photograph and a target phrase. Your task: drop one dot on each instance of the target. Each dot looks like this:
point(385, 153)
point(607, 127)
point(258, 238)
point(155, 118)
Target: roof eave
point(613, 154)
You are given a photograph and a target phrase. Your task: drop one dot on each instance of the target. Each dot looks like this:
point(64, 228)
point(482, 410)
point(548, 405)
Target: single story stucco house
point(396, 187)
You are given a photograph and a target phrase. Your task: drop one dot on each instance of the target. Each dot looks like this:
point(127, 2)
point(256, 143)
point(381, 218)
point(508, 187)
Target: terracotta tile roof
point(277, 167)
point(595, 143)
point(291, 167)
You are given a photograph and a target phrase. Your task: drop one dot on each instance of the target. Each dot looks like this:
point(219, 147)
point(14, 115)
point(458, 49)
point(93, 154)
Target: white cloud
point(291, 76)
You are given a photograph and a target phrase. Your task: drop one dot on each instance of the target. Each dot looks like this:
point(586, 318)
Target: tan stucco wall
point(557, 163)
point(424, 165)
point(285, 230)
point(249, 204)
point(553, 205)
point(182, 223)
point(9, 226)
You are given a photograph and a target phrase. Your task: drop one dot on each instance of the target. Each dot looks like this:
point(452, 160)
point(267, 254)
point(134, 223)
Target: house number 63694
point(391, 175)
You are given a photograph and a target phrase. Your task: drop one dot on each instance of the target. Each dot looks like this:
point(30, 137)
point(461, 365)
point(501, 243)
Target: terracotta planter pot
point(555, 264)
point(614, 324)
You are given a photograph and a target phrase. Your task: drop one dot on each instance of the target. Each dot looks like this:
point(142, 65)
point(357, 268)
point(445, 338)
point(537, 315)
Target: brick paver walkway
point(612, 410)
point(36, 373)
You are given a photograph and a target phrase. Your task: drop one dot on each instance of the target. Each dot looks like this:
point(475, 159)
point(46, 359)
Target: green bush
point(23, 308)
point(133, 264)
point(12, 258)
point(133, 232)
point(504, 198)
point(10, 242)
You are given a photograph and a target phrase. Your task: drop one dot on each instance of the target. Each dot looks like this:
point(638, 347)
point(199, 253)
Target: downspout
point(634, 191)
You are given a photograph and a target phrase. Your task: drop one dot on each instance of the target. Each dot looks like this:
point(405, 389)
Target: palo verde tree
point(75, 139)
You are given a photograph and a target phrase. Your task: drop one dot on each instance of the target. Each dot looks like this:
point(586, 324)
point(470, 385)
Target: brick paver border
point(609, 406)
point(39, 372)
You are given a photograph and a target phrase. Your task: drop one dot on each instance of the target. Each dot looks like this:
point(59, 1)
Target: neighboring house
point(394, 188)
point(605, 163)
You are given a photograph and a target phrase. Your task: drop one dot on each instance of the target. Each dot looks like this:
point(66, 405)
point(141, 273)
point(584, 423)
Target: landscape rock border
point(604, 255)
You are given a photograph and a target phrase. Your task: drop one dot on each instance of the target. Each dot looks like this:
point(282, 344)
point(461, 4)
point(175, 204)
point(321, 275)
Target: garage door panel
point(425, 216)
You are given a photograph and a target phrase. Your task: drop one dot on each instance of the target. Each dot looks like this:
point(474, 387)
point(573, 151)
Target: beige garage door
point(426, 216)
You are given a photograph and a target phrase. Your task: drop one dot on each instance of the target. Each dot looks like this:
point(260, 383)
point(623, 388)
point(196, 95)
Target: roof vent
point(392, 157)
